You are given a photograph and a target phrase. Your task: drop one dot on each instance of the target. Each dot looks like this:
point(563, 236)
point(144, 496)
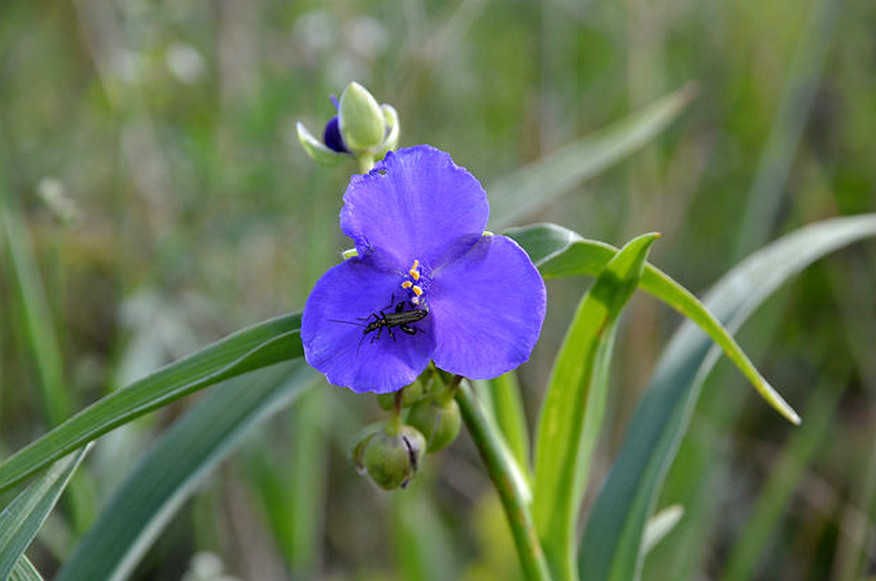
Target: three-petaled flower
point(426, 284)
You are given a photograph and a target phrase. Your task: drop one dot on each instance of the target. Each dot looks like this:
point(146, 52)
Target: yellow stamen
point(414, 274)
point(417, 290)
point(407, 284)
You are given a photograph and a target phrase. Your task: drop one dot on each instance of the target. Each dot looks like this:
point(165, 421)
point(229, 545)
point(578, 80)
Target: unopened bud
point(362, 129)
point(361, 120)
point(392, 460)
point(439, 423)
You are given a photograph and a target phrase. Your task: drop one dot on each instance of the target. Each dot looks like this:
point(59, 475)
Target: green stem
point(366, 162)
point(394, 421)
point(509, 481)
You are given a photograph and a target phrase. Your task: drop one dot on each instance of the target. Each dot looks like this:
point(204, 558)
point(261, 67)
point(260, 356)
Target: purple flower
point(427, 283)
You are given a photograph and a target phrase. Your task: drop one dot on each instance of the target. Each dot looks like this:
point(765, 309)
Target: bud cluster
point(424, 418)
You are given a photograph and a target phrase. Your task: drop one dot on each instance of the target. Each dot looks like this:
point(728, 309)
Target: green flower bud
point(439, 423)
point(362, 122)
point(392, 460)
point(362, 130)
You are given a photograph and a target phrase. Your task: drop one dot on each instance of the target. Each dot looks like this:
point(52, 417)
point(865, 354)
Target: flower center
point(410, 283)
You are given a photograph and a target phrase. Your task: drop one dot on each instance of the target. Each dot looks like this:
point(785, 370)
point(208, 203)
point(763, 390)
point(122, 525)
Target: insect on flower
point(471, 302)
point(381, 320)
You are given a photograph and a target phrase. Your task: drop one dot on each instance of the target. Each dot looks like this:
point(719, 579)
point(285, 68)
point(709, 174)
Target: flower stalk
point(394, 422)
point(366, 162)
point(509, 481)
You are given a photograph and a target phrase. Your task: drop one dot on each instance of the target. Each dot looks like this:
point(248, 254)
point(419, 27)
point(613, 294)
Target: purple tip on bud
point(332, 136)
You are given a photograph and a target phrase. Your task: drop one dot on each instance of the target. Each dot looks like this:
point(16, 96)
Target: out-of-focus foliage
point(151, 150)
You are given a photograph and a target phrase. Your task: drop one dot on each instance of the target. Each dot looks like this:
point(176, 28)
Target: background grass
point(149, 158)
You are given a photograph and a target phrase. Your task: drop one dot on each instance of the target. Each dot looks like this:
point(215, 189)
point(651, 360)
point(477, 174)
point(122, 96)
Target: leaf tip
point(782, 406)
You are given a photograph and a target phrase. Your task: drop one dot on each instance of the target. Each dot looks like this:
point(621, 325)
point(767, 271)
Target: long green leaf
point(22, 518)
point(573, 409)
point(611, 545)
point(173, 469)
point(258, 346)
point(24, 571)
point(560, 252)
point(540, 183)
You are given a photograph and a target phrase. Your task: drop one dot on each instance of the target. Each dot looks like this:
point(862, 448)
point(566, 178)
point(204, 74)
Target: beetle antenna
point(346, 322)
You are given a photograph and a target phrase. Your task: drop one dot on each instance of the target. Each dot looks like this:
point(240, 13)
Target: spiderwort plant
point(426, 296)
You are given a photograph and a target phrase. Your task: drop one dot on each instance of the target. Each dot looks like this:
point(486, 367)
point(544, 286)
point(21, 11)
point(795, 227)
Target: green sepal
point(317, 151)
point(393, 130)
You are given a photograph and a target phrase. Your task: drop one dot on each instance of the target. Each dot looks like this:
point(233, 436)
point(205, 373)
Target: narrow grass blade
point(258, 346)
point(783, 480)
point(510, 416)
point(290, 485)
point(24, 274)
point(173, 469)
point(795, 111)
point(24, 571)
point(538, 184)
point(22, 518)
point(560, 252)
point(572, 412)
point(612, 541)
point(306, 483)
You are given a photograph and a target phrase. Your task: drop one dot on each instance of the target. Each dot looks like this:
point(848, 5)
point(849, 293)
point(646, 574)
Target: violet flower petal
point(415, 204)
point(488, 307)
point(333, 324)
point(332, 137)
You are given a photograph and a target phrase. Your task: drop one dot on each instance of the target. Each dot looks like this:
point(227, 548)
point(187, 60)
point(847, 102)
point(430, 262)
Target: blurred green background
point(149, 162)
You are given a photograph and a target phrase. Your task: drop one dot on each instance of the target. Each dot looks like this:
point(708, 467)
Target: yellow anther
point(407, 284)
point(417, 290)
point(414, 274)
